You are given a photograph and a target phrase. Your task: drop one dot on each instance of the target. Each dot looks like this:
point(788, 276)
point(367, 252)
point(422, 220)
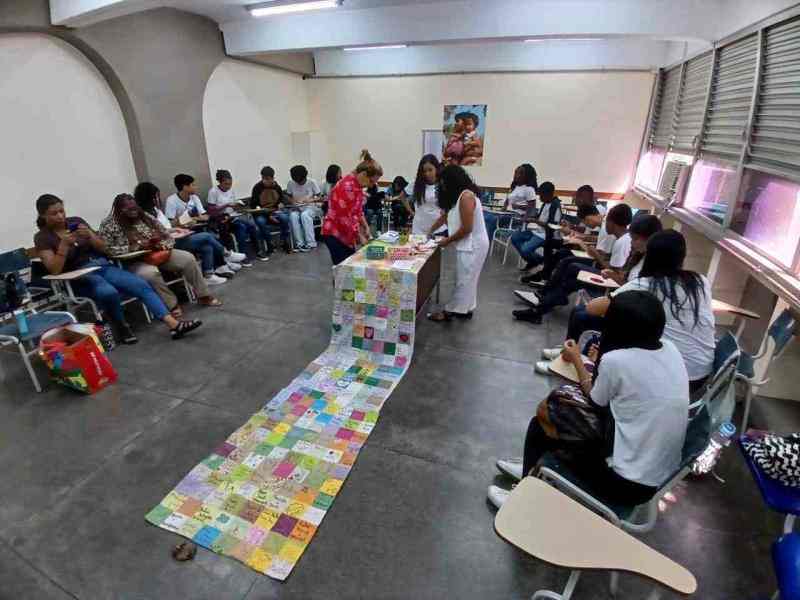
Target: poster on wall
point(464, 131)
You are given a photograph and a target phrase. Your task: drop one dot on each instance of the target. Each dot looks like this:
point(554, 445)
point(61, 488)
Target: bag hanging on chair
point(778, 456)
point(157, 257)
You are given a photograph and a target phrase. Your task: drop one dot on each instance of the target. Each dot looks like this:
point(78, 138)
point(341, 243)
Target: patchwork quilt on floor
point(261, 494)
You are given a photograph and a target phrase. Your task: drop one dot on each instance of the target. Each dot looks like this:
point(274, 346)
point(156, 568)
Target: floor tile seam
point(37, 569)
point(430, 346)
point(425, 459)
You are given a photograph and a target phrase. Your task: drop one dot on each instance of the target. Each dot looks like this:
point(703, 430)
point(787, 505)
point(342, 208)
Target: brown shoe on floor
point(184, 551)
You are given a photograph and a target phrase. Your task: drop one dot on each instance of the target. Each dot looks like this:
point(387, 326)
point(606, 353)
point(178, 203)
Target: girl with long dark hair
point(622, 428)
point(462, 211)
point(426, 207)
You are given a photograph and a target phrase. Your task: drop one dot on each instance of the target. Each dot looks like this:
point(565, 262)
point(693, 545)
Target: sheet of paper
point(403, 265)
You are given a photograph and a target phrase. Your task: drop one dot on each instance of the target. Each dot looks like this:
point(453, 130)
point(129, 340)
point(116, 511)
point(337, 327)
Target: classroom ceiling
point(461, 35)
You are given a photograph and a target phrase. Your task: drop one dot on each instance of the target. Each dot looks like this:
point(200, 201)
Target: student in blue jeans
point(268, 195)
point(69, 244)
point(527, 242)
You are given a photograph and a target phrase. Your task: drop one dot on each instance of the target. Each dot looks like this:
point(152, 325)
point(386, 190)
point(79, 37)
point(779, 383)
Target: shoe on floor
point(303, 249)
point(215, 280)
point(529, 298)
point(532, 278)
point(246, 263)
point(551, 353)
point(498, 495)
point(235, 267)
point(542, 367)
point(224, 270)
point(262, 256)
point(529, 314)
point(236, 257)
point(511, 467)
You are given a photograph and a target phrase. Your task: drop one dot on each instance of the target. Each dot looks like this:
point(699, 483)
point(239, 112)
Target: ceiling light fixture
point(563, 39)
point(283, 8)
point(390, 47)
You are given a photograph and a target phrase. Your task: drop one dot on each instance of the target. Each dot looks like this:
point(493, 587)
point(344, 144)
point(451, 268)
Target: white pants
point(468, 272)
point(302, 222)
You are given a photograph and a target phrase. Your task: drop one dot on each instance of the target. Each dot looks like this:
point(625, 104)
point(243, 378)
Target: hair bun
point(365, 155)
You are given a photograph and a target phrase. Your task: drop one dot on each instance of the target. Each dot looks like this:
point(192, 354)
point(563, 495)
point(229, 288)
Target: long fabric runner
point(262, 494)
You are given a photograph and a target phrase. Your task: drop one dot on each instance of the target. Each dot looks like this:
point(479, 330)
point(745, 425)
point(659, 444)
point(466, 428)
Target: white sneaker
point(511, 467)
point(235, 257)
point(498, 495)
point(542, 367)
point(215, 280)
point(235, 267)
point(312, 246)
point(303, 249)
point(224, 270)
point(527, 297)
point(551, 353)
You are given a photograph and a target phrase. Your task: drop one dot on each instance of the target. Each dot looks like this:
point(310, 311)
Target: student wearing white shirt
point(214, 259)
point(528, 242)
point(564, 280)
point(426, 205)
point(332, 177)
point(301, 190)
point(626, 425)
point(222, 198)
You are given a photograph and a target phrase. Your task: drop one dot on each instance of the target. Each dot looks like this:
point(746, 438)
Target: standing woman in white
point(426, 207)
point(463, 213)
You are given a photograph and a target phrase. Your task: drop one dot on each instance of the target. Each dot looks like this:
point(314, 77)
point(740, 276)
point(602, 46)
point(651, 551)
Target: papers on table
point(403, 265)
point(597, 280)
point(567, 370)
point(580, 254)
point(185, 218)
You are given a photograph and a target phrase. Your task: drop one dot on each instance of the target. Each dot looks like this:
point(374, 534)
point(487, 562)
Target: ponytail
point(369, 165)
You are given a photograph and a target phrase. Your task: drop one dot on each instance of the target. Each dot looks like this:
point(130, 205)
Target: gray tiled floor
point(79, 473)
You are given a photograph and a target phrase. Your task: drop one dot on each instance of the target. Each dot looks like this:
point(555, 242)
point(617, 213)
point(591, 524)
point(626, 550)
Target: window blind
point(692, 103)
point(731, 95)
point(775, 139)
point(665, 114)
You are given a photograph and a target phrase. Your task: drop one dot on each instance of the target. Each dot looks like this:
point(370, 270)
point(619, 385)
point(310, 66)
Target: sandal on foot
point(209, 301)
point(439, 317)
point(184, 327)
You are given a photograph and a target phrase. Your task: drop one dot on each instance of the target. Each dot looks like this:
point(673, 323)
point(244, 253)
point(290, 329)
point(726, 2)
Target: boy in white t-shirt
point(564, 280)
point(301, 192)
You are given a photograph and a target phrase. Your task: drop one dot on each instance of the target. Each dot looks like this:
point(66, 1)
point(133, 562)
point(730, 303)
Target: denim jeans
point(207, 246)
point(108, 286)
point(265, 225)
point(302, 222)
point(243, 230)
point(527, 243)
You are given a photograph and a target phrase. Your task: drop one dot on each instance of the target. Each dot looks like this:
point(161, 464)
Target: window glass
point(710, 189)
point(649, 170)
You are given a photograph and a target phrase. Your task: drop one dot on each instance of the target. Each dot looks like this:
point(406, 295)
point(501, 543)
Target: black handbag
point(778, 456)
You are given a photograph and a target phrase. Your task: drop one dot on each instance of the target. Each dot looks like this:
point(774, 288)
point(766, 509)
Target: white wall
point(249, 114)
point(63, 133)
point(575, 128)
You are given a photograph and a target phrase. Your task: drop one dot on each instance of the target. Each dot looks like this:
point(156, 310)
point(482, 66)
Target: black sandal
point(440, 317)
point(184, 327)
point(463, 316)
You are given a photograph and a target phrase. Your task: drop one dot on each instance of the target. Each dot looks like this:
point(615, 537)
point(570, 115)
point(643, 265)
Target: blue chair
point(718, 393)
point(779, 334)
point(786, 561)
point(26, 344)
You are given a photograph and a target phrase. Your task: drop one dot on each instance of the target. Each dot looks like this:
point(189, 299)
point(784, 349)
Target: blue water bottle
point(22, 322)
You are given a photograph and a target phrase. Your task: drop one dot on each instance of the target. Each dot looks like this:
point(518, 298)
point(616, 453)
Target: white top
point(326, 188)
point(478, 237)
point(605, 241)
point(648, 392)
point(426, 214)
point(308, 190)
point(694, 342)
point(636, 269)
point(175, 207)
point(216, 197)
point(620, 251)
point(522, 196)
point(162, 218)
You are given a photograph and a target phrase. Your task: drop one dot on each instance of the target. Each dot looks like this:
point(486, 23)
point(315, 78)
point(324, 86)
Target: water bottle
point(22, 322)
point(719, 439)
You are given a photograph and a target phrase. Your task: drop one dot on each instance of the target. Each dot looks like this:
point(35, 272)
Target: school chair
point(26, 344)
point(779, 334)
point(503, 232)
point(176, 279)
point(786, 562)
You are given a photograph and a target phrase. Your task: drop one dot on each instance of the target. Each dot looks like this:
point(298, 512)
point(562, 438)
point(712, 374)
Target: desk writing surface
point(129, 255)
point(70, 275)
point(547, 524)
point(724, 307)
point(597, 280)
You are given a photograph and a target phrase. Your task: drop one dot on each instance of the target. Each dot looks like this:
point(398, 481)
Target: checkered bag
point(778, 456)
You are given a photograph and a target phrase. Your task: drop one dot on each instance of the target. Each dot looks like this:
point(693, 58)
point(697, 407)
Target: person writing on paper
point(302, 191)
point(463, 213)
point(584, 317)
point(686, 300)
point(621, 430)
point(66, 245)
point(344, 225)
point(426, 207)
point(129, 229)
point(268, 196)
point(565, 278)
point(528, 242)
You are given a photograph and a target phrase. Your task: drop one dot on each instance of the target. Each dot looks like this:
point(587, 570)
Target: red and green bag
point(75, 358)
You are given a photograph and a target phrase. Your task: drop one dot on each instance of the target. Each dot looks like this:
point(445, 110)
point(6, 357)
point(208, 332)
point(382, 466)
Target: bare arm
point(54, 261)
point(438, 223)
point(466, 211)
point(598, 306)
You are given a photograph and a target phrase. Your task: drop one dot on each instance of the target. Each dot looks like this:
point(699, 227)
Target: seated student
point(129, 229)
point(332, 177)
point(213, 259)
point(583, 317)
point(524, 188)
point(640, 379)
point(586, 225)
point(373, 208)
point(67, 244)
point(565, 278)
point(267, 194)
point(686, 298)
point(222, 198)
point(301, 191)
point(526, 241)
point(402, 211)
